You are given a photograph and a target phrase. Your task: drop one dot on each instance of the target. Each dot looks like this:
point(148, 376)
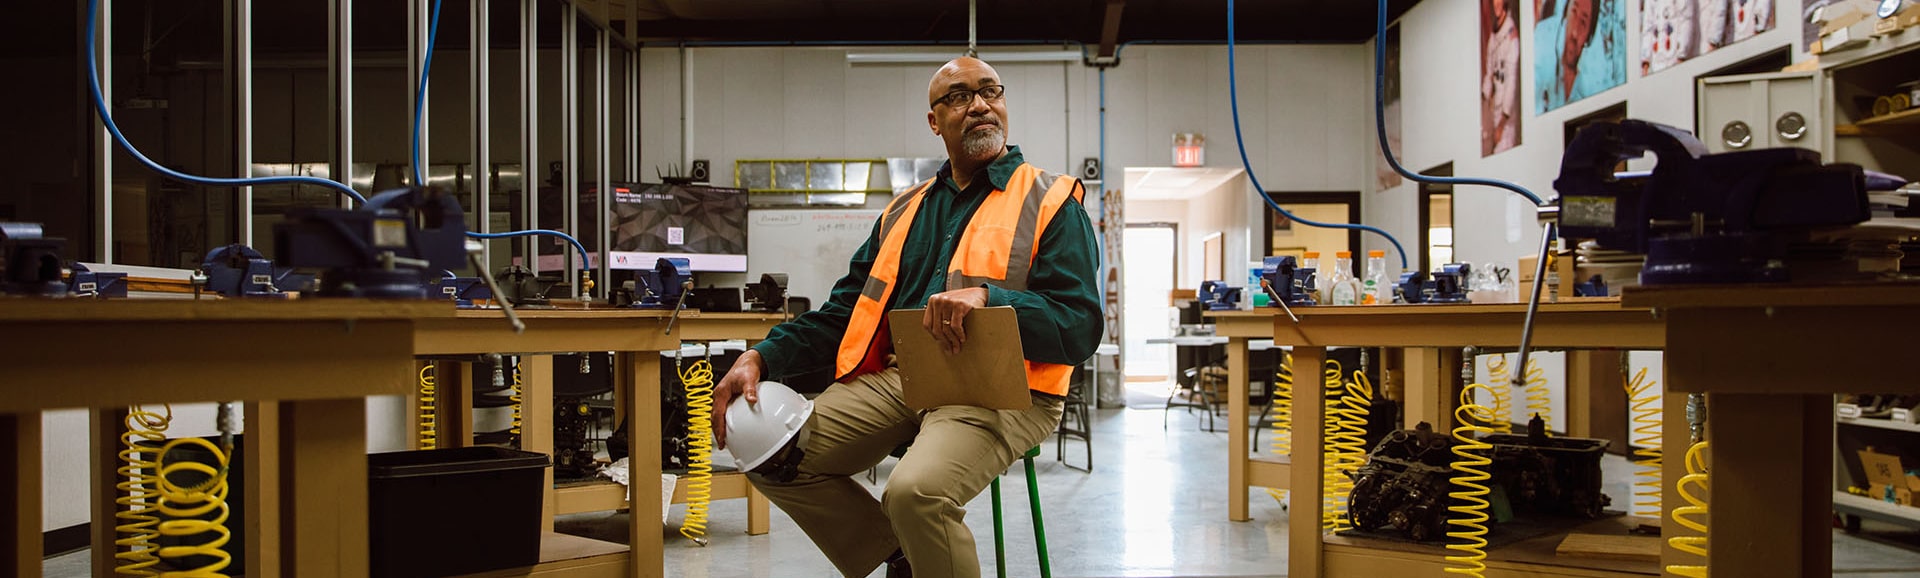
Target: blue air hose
point(106, 119)
point(1380, 122)
point(1233, 93)
point(420, 96)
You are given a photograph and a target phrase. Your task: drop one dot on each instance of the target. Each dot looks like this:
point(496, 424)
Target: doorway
point(1285, 237)
point(1149, 267)
point(1436, 219)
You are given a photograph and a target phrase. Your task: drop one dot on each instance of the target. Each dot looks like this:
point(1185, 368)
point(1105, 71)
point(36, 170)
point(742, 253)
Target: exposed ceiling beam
point(1110, 28)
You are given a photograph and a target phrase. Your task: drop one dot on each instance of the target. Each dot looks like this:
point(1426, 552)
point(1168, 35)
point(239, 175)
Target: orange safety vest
point(998, 247)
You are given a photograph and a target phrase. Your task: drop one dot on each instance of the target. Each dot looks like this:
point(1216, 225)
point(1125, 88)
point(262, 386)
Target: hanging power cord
point(139, 491)
point(429, 426)
point(1470, 464)
point(1282, 416)
point(1233, 95)
point(1694, 515)
point(1643, 394)
point(698, 379)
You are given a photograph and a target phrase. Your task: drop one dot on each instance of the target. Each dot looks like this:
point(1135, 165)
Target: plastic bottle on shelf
point(1375, 289)
point(1311, 260)
point(1343, 288)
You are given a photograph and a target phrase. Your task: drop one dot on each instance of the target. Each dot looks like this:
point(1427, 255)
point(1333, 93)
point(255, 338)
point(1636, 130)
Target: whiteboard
point(812, 246)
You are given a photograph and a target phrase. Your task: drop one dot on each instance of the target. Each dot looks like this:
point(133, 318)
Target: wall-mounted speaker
point(700, 171)
point(1090, 169)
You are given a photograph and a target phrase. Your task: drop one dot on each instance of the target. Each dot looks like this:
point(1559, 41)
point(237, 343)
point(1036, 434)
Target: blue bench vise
point(1218, 296)
point(240, 271)
point(1698, 217)
point(391, 247)
point(1447, 285)
point(462, 290)
point(96, 284)
point(663, 287)
point(30, 261)
point(1288, 281)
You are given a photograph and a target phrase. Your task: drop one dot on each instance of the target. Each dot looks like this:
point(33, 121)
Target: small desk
point(1770, 358)
point(1432, 336)
point(636, 336)
point(306, 367)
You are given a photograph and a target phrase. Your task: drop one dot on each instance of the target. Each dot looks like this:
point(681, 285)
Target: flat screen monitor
point(706, 224)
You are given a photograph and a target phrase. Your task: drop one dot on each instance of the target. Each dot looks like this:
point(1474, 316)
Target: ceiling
point(1172, 184)
point(191, 29)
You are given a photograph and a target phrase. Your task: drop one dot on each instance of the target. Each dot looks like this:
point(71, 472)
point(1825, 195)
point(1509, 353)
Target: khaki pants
point(957, 451)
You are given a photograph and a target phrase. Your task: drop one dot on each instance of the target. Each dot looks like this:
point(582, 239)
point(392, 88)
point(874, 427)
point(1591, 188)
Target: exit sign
point(1189, 150)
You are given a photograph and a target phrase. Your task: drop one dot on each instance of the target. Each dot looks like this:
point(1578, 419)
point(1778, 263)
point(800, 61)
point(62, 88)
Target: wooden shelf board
point(1774, 295)
point(1880, 423)
point(1269, 471)
point(600, 496)
point(1876, 508)
point(1534, 554)
point(572, 557)
point(246, 310)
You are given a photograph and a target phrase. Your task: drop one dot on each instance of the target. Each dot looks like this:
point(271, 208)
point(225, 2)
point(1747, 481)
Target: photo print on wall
point(1675, 31)
point(1579, 50)
point(1499, 75)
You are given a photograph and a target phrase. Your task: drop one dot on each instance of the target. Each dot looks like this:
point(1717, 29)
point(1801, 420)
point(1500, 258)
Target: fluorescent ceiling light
point(943, 57)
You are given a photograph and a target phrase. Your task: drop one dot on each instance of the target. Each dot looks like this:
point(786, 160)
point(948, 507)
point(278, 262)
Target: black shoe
point(897, 566)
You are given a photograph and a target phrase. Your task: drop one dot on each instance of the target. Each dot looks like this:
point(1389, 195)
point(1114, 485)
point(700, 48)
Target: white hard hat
point(756, 431)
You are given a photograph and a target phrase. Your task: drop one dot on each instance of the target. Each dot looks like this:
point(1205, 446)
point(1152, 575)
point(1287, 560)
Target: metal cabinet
point(1752, 111)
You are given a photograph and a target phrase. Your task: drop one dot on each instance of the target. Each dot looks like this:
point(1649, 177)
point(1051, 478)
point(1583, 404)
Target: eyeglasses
point(963, 97)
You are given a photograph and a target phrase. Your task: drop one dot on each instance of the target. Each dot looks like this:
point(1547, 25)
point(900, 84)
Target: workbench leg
point(759, 513)
point(1237, 431)
point(324, 487)
point(1780, 527)
point(1424, 388)
point(1306, 483)
point(418, 428)
point(453, 403)
point(105, 425)
point(261, 454)
point(536, 425)
point(20, 484)
point(1674, 441)
point(1597, 397)
point(641, 387)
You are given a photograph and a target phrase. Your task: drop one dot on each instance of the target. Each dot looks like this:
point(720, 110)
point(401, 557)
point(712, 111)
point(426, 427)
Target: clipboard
point(990, 371)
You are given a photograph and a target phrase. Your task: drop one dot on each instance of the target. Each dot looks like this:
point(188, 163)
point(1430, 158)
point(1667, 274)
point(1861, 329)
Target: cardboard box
point(1887, 480)
point(1563, 273)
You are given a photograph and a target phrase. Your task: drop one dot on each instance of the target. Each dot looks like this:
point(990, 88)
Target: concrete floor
point(1153, 506)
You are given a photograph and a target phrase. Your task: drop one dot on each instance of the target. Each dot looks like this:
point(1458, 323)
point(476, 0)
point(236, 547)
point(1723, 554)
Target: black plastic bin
point(453, 511)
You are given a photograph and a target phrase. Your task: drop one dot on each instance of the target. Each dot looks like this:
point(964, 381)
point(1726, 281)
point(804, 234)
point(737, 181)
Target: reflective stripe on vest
point(998, 247)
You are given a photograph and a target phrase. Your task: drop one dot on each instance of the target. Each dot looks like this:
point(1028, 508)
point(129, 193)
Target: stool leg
point(1039, 526)
point(999, 535)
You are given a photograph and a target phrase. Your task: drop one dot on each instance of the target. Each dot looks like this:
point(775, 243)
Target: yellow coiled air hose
point(1693, 516)
point(1502, 391)
point(429, 428)
point(1538, 404)
point(184, 505)
point(139, 489)
point(698, 379)
point(1470, 474)
point(1282, 443)
point(515, 430)
point(1646, 441)
point(1346, 441)
point(151, 493)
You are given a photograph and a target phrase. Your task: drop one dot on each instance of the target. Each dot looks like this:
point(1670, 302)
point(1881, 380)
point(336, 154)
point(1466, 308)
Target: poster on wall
point(1675, 31)
point(1579, 50)
point(1499, 75)
point(1384, 176)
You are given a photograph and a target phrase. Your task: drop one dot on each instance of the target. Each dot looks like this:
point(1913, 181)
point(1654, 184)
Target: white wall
point(1440, 67)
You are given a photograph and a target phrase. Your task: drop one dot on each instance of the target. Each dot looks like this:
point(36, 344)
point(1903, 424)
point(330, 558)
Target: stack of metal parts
point(1403, 489)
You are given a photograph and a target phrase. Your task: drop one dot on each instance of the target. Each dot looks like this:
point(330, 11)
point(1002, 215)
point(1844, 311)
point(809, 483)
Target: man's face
point(973, 126)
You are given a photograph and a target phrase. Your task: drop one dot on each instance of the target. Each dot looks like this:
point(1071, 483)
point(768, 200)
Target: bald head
point(965, 72)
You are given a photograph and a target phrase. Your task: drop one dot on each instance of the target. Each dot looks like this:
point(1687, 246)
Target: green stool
point(1039, 528)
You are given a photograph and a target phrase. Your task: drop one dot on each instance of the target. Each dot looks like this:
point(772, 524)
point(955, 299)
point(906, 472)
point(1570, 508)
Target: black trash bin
point(453, 511)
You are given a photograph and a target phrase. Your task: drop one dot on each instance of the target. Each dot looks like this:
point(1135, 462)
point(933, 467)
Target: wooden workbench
point(306, 368)
point(1432, 337)
point(636, 336)
point(1770, 359)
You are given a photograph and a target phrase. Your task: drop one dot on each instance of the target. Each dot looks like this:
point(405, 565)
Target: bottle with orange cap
point(1342, 287)
point(1375, 289)
point(1311, 260)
